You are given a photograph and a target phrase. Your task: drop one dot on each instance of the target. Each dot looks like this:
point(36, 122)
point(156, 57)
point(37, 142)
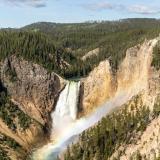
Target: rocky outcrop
point(135, 69)
point(91, 53)
point(25, 138)
point(132, 76)
point(97, 87)
point(31, 87)
point(143, 145)
point(35, 90)
point(148, 145)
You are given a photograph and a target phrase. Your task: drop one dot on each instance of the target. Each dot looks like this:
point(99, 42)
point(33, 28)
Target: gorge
point(88, 91)
point(132, 79)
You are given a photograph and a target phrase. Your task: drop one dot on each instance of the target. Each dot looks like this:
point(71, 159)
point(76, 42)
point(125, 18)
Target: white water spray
point(66, 128)
point(72, 128)
point(66, 109)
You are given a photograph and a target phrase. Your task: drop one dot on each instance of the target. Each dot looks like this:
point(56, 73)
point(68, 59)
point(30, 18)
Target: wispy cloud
point(137, 8)
point(142, 9)
point(98, 6)
point(31, 3)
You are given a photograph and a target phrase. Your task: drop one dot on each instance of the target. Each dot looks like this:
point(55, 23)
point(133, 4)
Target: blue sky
point(17, 13)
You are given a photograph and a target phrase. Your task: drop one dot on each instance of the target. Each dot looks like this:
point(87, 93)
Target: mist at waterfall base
point(66, 108)
point(66, 127)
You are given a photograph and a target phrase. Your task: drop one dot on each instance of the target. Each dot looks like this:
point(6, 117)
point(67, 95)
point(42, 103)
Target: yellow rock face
point(132, 75)
point(98, 86)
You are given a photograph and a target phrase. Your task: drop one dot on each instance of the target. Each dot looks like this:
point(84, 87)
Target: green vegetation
point(14, 118)
point(5, 144)
point(101, 141)
point(31, 46)
point(156, 109)
point(136, 156)
point(112, 37)
point(156, 57)
point(3, 154)
point(11, 73)
point(10, 112)
point(60, 47)
point(6, 141)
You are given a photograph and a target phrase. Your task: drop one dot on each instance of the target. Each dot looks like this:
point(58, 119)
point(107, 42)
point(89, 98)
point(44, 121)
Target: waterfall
point(63, 118)
point(65, 125)
point(69, 130)
point(66, 109)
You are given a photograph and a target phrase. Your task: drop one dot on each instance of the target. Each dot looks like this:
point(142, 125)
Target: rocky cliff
point(135, 75)
point(31, 87)
point(31, 96)
point(99, 86)
point(132, 76)
point(34, 91)
point(144, 144)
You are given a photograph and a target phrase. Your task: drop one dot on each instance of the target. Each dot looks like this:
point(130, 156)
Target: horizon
point(19, 13)
point(88, 21)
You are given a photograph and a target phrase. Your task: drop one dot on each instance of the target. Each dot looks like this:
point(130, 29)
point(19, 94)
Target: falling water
point(68, 128)
point(63, 118)
point(66, 109)
point(65, 125)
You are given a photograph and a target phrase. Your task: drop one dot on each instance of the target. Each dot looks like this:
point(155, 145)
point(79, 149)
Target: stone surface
point(132, 76)
point(31, 87)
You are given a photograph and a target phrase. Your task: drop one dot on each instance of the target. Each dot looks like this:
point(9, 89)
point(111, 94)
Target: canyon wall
point(133, 75)
point(36, 91)
point(31, 87)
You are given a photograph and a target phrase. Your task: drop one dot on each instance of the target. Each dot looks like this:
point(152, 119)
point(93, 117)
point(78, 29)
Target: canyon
point(61, 110)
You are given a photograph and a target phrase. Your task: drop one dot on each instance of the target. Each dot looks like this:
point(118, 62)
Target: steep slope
point(18, 132)
point(99, 86)
point(91, 53)
point(144, 144)
point(31, 87)
point(131, 132)
point(28, 94)
point(132, 76)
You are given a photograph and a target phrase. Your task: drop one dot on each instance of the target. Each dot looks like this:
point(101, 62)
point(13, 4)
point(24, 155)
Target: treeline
point(156, 57)
point(36, 47)
point(90, 35)
point(60, 47)
point(119, 128)
point(87, 35)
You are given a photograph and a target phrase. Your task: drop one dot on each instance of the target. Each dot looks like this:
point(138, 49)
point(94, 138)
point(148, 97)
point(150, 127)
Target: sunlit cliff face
point(132, 78)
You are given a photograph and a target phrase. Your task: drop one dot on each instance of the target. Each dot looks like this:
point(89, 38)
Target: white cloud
point(98, 6)
point(32, 3)
point(138, 9)
point(142, 9)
